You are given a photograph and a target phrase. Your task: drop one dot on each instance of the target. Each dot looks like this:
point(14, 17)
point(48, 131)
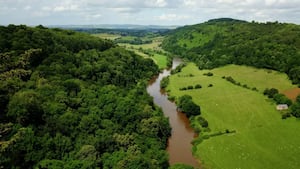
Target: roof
point(282, 107)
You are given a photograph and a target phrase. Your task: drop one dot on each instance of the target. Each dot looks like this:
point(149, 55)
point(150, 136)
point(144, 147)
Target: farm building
point(282, 107)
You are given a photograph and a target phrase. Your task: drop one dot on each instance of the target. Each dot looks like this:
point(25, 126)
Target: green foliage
point(295, 108)
point(134, 41)
point(71, 100)
point(208, 74)
point(271, 92)
point(186, 105)
point(164, 82)
point(219, 42)
point(25, 108)
point(282, 99)
point(178, 68)
point(203, 122)
point(198, 86)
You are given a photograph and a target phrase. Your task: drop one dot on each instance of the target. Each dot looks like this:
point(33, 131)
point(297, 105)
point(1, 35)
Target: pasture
point(107, 36)
point(261, 139)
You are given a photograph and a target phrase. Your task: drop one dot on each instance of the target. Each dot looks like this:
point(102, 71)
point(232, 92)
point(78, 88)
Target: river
point(179, 144)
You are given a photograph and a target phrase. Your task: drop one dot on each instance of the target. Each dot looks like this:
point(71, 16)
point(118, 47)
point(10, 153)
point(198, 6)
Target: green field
point(107, 36)
point(160, 60)
point(261, 139)
point(155, 45)
point(259, 78)
point(153, 48)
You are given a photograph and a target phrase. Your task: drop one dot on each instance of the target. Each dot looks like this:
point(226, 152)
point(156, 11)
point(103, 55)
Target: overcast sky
point(144, 12)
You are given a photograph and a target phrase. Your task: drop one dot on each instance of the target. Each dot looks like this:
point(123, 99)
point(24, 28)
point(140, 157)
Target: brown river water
point(179, 144)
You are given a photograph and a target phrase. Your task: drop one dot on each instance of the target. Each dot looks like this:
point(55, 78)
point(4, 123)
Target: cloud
point(176, 12)
point(92, 17)
point(62, 8)
point(156, 3)
point(126, 10)
point(28, 7)
point(172, 17)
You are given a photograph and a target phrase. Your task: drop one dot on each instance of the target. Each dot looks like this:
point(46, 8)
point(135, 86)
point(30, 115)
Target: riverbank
point(179, 144)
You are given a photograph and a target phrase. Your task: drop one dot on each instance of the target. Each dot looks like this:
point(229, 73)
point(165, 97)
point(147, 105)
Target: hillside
point(227, 41)
point(244, 128)
point(70, 100)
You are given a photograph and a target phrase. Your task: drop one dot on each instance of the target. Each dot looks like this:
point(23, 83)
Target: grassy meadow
point(149, 50)
point(261, 139)
point(153, 48)
point(107, 36)
point(155, 45)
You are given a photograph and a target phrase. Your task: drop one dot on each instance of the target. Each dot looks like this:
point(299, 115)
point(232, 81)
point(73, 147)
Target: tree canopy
point(70, 100)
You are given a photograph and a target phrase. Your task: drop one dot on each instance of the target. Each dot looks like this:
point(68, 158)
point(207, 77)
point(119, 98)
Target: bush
point(230, 79)
point(295, 110)
point(208, 74)
point(203, 122)
point(245, 86)
point(210, 85)
point(282, 99)
point(187, 106)
point(171, 98)
point(270, 92)
point(164, 82)
point(254, 89)
point(198, 86)
point(190, 87)
point(183, 88)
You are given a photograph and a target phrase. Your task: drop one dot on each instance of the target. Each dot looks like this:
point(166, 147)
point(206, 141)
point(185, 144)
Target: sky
point(144, 12)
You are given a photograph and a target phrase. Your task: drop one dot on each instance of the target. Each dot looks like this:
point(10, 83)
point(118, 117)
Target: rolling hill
point(228, 41)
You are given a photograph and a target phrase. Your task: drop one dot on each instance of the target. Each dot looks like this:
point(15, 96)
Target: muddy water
point(179, 144)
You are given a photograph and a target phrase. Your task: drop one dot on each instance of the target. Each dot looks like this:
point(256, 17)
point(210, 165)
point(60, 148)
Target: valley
point(85, 97)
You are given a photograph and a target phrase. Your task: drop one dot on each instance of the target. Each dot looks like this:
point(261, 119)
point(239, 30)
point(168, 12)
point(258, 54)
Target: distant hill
point(224, 41)
point(124, 30)
point(114, 26)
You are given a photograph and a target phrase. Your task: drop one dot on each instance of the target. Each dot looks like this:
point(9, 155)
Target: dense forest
point(70, 100)
point(227, 41)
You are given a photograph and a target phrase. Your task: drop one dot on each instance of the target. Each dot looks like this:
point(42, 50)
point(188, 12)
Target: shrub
point(171, 98)
point(190, 87)
point(282, 99)
point(183, 88)
point(210, 85)
point(164, 82)
point(187, 106)
point(230, 79)
point(208, 74)
point(245, 86)
point(198, 86)
point(203, 122)
point(270, 92)
point(254, 89)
